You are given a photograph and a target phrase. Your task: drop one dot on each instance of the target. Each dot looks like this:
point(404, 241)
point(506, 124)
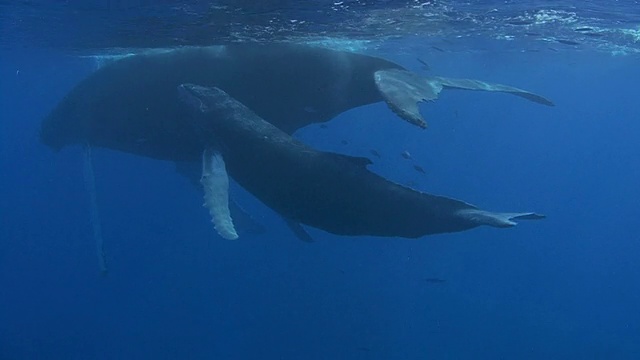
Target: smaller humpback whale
point(324, 190)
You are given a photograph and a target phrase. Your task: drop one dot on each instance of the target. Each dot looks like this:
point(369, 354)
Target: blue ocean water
point(562, 288)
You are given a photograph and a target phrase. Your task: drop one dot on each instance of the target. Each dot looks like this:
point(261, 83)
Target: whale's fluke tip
point(496, 219)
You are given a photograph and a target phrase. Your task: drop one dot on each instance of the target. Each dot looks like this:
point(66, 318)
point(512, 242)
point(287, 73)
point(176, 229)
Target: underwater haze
point(566, 287)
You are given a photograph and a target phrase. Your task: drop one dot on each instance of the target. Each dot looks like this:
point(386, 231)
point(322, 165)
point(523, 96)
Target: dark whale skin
point(325, 190)
point(131, 104)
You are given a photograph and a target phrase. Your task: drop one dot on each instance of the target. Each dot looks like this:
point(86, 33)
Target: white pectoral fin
point(402, 90)
point(215, 182)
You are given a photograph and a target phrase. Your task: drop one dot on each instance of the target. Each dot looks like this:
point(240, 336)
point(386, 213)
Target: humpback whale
point(131, 104)
point(324, 190)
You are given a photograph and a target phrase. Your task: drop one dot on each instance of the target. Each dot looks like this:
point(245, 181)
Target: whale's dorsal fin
point(358, 160)
point(298, 230)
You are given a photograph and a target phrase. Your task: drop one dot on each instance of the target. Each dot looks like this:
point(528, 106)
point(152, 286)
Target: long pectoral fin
point(244, 223)
point(402, 90)
point(215, 182)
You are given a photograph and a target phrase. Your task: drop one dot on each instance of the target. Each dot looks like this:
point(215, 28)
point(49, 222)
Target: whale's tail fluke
point(470, 84)
point(495, 219)
point(402, 90)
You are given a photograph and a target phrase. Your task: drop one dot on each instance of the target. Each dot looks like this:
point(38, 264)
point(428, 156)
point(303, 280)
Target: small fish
point(405, 154)
point(425, 66)
point(583, 29)
point(375, 153)
point(419, 169)
point(344, 142)
point(437, 48)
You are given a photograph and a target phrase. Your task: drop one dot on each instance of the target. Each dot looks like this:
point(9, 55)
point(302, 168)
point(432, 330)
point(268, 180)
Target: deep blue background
point(564, 287)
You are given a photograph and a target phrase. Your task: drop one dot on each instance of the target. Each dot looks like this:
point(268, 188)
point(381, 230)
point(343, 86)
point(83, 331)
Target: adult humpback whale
point(131, 104)
point(325, 190)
